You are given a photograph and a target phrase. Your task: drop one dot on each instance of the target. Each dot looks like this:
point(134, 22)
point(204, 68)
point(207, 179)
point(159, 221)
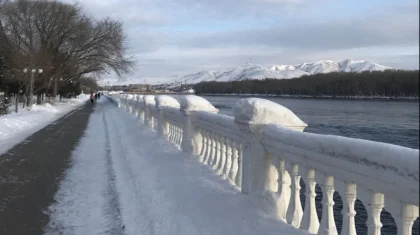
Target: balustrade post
point(252, 115)
point(148, 99)
point(163, 101)
point(117, 99)
point(191, 138)
point(133, 104)
point(138, 106)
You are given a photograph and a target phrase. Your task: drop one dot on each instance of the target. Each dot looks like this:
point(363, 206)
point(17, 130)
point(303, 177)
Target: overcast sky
point(177, 37)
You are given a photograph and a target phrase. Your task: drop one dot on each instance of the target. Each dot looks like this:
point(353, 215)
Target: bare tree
point(61, 40)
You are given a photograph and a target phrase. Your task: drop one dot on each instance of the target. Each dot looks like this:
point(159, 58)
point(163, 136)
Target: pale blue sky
point(176, 37)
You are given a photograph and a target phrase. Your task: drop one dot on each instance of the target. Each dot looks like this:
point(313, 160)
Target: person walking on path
point(91, 98)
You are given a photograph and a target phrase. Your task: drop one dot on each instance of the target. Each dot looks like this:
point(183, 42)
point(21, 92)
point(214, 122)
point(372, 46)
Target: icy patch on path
point(161, 190)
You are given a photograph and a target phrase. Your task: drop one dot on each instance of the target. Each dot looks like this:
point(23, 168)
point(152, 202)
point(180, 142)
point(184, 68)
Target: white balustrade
point(263, 149)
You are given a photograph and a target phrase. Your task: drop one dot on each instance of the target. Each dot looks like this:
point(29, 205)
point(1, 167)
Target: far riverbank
point(379, 98)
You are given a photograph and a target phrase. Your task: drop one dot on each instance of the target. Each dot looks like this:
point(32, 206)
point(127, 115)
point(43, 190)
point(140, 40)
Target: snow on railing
point(263, 150)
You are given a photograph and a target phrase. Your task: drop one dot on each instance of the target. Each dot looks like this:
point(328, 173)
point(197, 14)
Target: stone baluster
point(176, 141)
point(235, 161)
point(327, 225)
point(179, 140)
point(228, 157)
point(239, 173)
point(132, 104)
point(403, 214)
point(222, 157)
point(148, 118)
point(374, 214)
point(126, 99)
point(283, 188)
point(209, 148)
point(126, 102)
point(206, 147)
point(170, 136)
point(216, 153)
point(174, 134)
point(203, 145)
point(213, 149)
point(163, 101)
point(310, 220)
point(349, 198)
point(139, 106)
point(294, 212)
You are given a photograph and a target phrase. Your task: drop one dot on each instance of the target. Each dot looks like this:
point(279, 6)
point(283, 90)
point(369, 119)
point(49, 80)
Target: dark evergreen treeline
point(391, 83)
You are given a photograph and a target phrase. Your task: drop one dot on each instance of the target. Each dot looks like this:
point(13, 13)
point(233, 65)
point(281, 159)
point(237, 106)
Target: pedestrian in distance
point(91, 98)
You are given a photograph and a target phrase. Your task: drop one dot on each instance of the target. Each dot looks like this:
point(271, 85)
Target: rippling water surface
point(393, 122)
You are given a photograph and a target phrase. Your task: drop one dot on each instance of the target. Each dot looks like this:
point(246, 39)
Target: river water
point(394, 122)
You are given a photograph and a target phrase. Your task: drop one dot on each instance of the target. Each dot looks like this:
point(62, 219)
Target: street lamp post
point(31, 83)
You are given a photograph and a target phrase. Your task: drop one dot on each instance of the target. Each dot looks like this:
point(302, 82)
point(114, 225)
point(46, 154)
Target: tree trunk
point(55, 89)
point(17, 103)
point(38, 98)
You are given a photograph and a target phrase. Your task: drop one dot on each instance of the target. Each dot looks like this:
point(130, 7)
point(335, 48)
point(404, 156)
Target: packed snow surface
point(15, 127)
point(262, 111)
point(125, 180)
point(196, 103)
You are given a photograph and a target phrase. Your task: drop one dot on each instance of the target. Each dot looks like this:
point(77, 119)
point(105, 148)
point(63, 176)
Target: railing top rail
point(395, 166)
point(218, 123)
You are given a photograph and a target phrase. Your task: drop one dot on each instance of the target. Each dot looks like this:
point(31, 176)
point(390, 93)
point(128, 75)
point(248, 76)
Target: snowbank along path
point(125, 180)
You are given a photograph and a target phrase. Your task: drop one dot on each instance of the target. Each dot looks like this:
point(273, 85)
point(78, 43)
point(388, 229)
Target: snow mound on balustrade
point(262, 111)
point(167, 101)
point(196, 103)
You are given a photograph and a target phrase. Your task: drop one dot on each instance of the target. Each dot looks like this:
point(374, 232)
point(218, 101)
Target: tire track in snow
point(138, 215)
point(87, 201)
point(113, 204)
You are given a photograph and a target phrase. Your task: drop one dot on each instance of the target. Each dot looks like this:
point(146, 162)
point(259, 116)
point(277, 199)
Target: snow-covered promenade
point(134, 164)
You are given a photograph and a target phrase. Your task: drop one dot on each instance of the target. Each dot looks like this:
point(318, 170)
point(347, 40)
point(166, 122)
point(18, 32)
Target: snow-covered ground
point(15, 127)
point(126, 180)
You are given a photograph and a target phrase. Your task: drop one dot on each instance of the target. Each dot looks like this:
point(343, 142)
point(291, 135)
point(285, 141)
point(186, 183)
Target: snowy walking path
point(16, 127)
point(125, 180)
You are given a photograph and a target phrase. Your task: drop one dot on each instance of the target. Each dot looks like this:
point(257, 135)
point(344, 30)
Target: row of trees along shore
point(389, 83)
point(57, 48)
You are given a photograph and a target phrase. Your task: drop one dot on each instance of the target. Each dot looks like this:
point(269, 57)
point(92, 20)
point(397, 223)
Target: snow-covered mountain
point(258, 72)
